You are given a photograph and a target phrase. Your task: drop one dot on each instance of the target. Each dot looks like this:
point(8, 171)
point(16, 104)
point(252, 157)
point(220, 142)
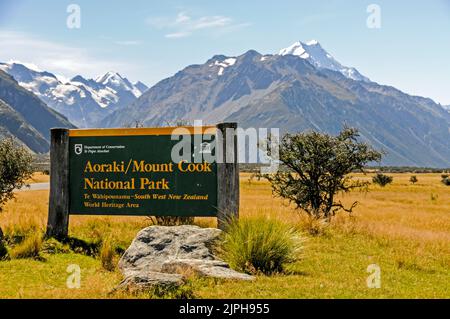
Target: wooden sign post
point(227, 175)
point(132, 172)
point(58, 205)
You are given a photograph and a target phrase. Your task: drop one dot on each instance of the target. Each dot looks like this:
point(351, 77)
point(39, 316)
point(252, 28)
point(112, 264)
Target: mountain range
point(24, 116)
point(301, 88)
point(83, 101)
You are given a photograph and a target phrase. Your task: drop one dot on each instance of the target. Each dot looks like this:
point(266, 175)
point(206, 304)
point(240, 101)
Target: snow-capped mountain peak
point(84, 101)
point(312, 42)
point(115, 81)
point(110, 77)
point(313, 52)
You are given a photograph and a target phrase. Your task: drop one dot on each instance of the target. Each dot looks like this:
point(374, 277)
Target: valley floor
point(402, 228)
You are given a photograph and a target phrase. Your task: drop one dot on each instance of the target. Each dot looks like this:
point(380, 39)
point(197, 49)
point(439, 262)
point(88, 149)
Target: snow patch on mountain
point(77, 98)
point(313, 52)
point(224, 64)
point(30, 66)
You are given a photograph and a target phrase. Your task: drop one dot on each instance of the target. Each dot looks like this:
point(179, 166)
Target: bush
point(15, 168)
point(446, 181)
point(382, 180)
point(80, 246)
point(29, 248)
point(107, 255)
point(413, 179)
point(316, 167)
point(260, 245)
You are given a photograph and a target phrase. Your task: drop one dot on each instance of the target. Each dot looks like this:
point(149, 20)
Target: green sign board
point(132, 172)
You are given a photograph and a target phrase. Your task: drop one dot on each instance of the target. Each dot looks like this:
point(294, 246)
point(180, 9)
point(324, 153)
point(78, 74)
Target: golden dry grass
point(404, 227)
point(418, 212)
point(38, 177)
point(400, 210)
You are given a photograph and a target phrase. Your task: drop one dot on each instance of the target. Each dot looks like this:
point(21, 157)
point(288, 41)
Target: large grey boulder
point(164, 256)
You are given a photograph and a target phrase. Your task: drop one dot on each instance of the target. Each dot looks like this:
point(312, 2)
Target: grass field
point(38, 178)
point(403, 228)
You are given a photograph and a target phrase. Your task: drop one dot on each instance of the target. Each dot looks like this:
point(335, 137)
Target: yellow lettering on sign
point(186, 167)
point(149, 184)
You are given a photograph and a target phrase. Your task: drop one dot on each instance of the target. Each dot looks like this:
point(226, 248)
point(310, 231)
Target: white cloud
point(211, 22)
point(177, 35)
point(54, 57)
point(184, 25)
point(31, 66)
point(128, 42)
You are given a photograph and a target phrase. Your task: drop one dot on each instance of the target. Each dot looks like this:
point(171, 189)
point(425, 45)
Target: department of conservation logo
point(78, 149)
point(205, 148)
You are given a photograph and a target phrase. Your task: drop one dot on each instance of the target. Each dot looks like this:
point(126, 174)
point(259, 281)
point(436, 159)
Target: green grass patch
point(260, 245)
point(335, 266)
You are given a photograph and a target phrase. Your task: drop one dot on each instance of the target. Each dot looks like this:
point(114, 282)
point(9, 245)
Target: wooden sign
point(169, 171)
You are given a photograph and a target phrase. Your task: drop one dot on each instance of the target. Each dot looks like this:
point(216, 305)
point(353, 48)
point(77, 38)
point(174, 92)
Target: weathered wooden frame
point(227, 179)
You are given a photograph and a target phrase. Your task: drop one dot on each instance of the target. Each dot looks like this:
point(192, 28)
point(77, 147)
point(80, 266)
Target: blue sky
point(150, 40)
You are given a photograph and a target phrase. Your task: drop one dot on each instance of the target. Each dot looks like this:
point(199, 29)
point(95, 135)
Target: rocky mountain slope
point(83, 101)
point(295, 92)
point(24, 116)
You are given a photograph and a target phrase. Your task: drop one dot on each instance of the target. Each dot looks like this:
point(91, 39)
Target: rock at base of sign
point(165, 255)
point(143, 281)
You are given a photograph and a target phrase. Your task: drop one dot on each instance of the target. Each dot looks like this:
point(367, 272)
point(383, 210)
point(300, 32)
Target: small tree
point(413, 179)
point(317, 167)
point(15, 168)
point(446, 181)
point(382, 179)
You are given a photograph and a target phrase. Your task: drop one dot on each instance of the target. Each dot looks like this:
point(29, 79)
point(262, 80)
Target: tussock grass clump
point(29, 248)
point(314, 226)
point(3, 250)
point(184, 291)
point(18, 229)
point(107, 255)
point(171, 220)
point(260, 245)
